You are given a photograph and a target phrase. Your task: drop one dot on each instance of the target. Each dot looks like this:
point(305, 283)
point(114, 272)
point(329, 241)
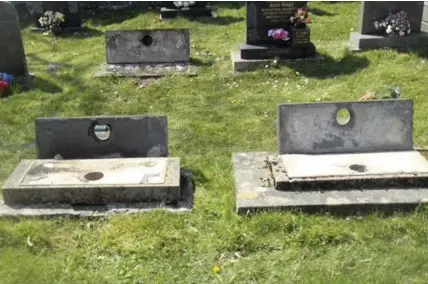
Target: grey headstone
point(382, 125)
point(372, 10)
point(11, 46)
point(148, 46)
point(74, 138)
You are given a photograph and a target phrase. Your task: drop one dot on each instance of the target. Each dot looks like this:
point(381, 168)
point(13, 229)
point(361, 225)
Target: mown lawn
point(210, 117)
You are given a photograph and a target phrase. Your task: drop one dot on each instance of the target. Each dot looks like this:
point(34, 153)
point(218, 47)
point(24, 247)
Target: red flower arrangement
point(4, 86)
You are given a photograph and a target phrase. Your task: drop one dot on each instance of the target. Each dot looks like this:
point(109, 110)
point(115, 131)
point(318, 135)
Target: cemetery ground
point(210, 117)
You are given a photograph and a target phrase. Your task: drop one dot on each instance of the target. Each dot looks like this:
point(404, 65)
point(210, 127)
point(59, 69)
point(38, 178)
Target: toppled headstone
point(98, 166)
point(274, 30)
point(11, 46)
point(147, 53)
point(370, 36)
point(336, 156)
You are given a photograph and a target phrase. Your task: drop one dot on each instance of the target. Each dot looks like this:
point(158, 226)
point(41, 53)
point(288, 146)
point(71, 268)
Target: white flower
point(401, 33)
point(292, 18)
point(408, 31)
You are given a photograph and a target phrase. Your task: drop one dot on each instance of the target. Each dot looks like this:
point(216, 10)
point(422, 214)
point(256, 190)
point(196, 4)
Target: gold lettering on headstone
point(278, 12)
point(301, 37)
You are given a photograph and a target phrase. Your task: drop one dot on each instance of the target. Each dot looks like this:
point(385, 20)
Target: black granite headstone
point(271, 33)
point(11, 46)
point(70, 9)
point(373, 10)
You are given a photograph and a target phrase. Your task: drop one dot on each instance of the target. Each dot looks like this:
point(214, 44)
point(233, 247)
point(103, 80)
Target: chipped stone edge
point(184, 205)
point(253, 194)
point(104, 72)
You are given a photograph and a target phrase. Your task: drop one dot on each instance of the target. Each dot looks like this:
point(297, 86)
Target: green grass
point(210, 116)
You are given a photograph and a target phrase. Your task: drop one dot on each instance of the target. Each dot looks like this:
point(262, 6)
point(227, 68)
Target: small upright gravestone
point(344, 156)
point(186, 9)
point(12, 55)
point(147, 53)
point(98, 166)
point(70, 9)
point(368, 37)
point(274, 30)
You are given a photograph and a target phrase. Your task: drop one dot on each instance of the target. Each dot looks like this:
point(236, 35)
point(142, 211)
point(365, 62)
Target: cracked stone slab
point(184, 205)
point(93, 181)
point(255, 191)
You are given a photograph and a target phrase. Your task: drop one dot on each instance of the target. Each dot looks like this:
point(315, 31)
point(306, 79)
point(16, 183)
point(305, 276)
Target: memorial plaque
point(11, 46)
point(300, 37)
point(266, 15)
point(373, 10)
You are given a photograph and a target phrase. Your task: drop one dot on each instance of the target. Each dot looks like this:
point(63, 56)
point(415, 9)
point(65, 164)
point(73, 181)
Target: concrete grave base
point(183, 205)
point(359, 42)
point(255, 191)
point(241, 65)
point(146, 70)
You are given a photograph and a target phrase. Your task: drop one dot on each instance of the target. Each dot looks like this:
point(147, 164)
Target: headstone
point(370, 127)
point(98, 166)
point(330, 162)
point(424, 26)
point(367, 37)
point(151, 53)
point(92, 137)
point(70, 9)
point(11, 46)
point(264, 19)
point(194, 9)
point(147, 46)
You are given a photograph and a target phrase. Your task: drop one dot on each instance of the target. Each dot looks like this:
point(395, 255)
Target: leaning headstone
point(368, 37)
point(336, 156)
point(70, 9)
point(147, 53)
point(11, 46)
point(98, 166)
point(186, 9)
point(272, 32)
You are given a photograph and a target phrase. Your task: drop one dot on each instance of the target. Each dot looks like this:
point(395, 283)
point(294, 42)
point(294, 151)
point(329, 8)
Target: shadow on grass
point(329, 67)
point(219, 21)
point(84, 32)
point(198, 62)
point(320, 12)
point(105, 18)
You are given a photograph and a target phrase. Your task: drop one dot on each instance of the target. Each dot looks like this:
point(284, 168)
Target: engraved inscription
point(300, 37)
point(278, 12)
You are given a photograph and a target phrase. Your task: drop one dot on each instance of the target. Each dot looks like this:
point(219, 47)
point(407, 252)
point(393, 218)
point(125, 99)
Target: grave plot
point(330, 162)
point(147, 53)
point(188, 9)
point(94, 166)
point(274, 30)
point(377, 31)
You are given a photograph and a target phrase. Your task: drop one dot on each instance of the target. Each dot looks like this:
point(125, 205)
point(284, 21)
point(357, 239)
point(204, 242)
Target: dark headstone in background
point(373, 10)
point(130, 136)
point(148, 46)
point(265, 15)
point(70, 9)
point(12, 55)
